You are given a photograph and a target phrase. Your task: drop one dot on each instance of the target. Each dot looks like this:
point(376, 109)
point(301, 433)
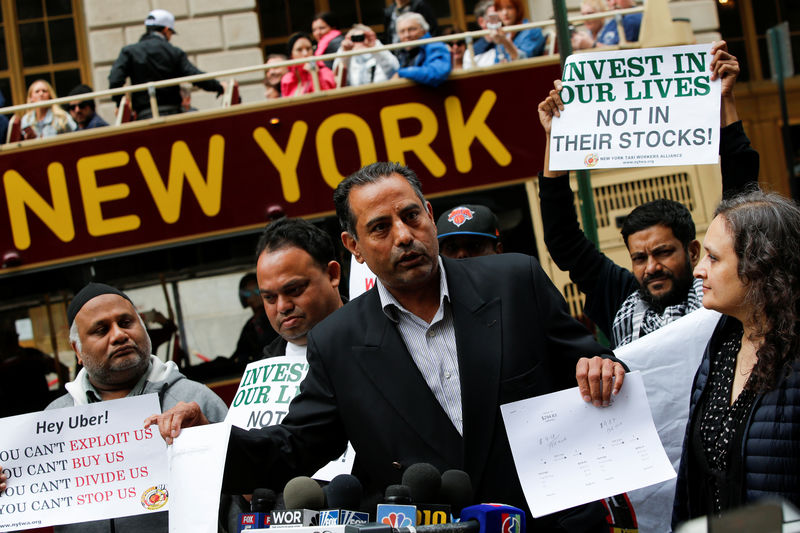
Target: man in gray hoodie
point(111, 343)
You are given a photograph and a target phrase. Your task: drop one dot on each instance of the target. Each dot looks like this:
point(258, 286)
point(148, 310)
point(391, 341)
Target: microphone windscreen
point(263, 501)
point(424, 481)
point(343, 492)
point(398, 494)
point(456, 490)
point(303, 493)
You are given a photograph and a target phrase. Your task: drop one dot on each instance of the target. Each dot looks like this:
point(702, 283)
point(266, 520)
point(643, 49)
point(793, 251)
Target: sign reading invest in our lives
point(82, 463)
point(634, 108)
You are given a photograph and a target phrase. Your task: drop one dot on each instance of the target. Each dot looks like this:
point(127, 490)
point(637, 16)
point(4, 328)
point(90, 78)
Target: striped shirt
point(432, 347)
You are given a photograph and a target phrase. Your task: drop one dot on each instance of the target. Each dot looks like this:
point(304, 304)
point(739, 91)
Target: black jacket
point(153, 58)
point(606, 284)
point(770, 448)
point(515, 339)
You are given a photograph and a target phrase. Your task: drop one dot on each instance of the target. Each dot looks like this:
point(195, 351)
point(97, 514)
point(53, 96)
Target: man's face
point(115, 348)
point(461, 246)
point(409, 30)
point(81, 112)
point(662, 265)
point(395, 234)
point(297, 292)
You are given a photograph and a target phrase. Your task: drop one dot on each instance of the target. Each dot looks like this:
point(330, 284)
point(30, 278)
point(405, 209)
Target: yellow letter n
point(19, 194)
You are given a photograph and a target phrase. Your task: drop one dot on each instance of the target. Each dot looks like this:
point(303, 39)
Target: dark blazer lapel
point(479, 341)
point(388, 365)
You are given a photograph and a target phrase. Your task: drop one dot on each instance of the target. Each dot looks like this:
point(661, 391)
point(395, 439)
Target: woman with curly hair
point(743, 438)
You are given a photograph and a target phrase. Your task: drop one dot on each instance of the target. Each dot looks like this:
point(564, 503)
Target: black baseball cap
point(468, 219)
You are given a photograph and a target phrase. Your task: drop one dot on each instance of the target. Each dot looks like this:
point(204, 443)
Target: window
point(41, 39)
point(744, 24)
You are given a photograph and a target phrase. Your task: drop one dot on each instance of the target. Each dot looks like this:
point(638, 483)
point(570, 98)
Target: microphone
point(483, 518)
point(495, 518)
point(456, 490)
point(260, 506)
point(303, 498)
point(343, 494)
point(424, 481)
point(397, 511)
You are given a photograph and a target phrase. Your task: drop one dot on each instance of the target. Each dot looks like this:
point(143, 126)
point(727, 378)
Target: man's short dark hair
point(299, 233)
point(669, 213)
point(369, 174)
point(83, 89)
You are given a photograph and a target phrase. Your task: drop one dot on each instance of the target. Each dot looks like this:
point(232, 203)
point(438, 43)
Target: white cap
point(161, 17)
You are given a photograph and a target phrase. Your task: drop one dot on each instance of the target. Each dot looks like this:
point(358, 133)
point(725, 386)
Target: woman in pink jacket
point(299, 79)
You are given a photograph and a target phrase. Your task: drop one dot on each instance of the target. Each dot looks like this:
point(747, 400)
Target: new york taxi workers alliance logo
point(591, 160)
point(459, 215)
point(155, 497)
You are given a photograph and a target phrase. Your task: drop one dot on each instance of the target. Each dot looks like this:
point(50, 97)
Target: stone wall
point(215, 35)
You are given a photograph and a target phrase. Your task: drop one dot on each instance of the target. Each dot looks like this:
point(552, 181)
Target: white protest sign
point(362, 278)
point(82, 463)
point(636, 108)
point(265, 392)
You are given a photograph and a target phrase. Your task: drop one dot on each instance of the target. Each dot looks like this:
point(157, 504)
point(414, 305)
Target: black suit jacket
point(515, 339)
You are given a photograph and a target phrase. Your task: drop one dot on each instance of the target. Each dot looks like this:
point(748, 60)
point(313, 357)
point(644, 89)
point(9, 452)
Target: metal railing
point(229, 73)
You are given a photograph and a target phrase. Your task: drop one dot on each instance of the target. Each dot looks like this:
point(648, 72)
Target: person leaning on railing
point(153, 58)
point(516, 45)
point(305, 77)
point(365, 68)
point(428, 64)
point(45, 121)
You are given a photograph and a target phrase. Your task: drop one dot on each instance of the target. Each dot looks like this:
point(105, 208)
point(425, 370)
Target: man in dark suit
point(415, 370)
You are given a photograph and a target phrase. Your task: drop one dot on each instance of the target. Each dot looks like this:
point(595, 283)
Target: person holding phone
point(364, 68)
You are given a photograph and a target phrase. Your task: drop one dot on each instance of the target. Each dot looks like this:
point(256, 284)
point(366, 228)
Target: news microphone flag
point(342, 517)
point(252, 521)
point(396, 515)
point(495, 518)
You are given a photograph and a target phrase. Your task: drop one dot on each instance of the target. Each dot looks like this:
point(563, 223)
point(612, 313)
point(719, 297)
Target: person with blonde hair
point(591, 28)
point(45, 121)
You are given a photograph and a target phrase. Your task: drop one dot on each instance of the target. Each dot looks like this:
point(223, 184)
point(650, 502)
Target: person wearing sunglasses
point(83, 111)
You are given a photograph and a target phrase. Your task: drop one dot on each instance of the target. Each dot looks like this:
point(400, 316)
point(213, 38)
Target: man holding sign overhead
point(660, 235)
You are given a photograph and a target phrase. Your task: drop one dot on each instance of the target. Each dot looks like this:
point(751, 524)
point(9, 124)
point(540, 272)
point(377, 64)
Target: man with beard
point(111, 343)
point(659, 235)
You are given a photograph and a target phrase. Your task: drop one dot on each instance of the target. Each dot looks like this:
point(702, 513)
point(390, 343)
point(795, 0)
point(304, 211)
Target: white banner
point(637, 108)
point(265, 392)
point(82, 463)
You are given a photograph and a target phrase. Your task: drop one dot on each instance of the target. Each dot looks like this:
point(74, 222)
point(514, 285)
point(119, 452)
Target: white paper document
point(196, 467)
point(568, 452)
point(668, 359)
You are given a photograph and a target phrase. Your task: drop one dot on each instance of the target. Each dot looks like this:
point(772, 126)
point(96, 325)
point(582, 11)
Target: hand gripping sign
point(636, 108)
point(82, 463)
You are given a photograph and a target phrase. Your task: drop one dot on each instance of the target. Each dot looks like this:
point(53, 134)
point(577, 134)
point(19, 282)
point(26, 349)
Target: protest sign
point(635, 108)
point(82, 463)
point(265, 392)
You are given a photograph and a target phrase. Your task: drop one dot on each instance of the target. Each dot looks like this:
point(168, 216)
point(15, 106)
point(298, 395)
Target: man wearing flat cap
point(111, 343)
point(468, 230)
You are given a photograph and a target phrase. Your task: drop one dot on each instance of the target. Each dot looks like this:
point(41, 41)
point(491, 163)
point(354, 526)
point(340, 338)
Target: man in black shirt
point(153, 58)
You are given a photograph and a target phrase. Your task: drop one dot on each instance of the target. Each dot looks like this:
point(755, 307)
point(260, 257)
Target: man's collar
point(93, 395)
point(391, 306)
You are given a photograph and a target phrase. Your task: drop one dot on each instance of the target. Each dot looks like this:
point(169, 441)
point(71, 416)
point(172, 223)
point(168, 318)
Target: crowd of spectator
point(153, 58)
